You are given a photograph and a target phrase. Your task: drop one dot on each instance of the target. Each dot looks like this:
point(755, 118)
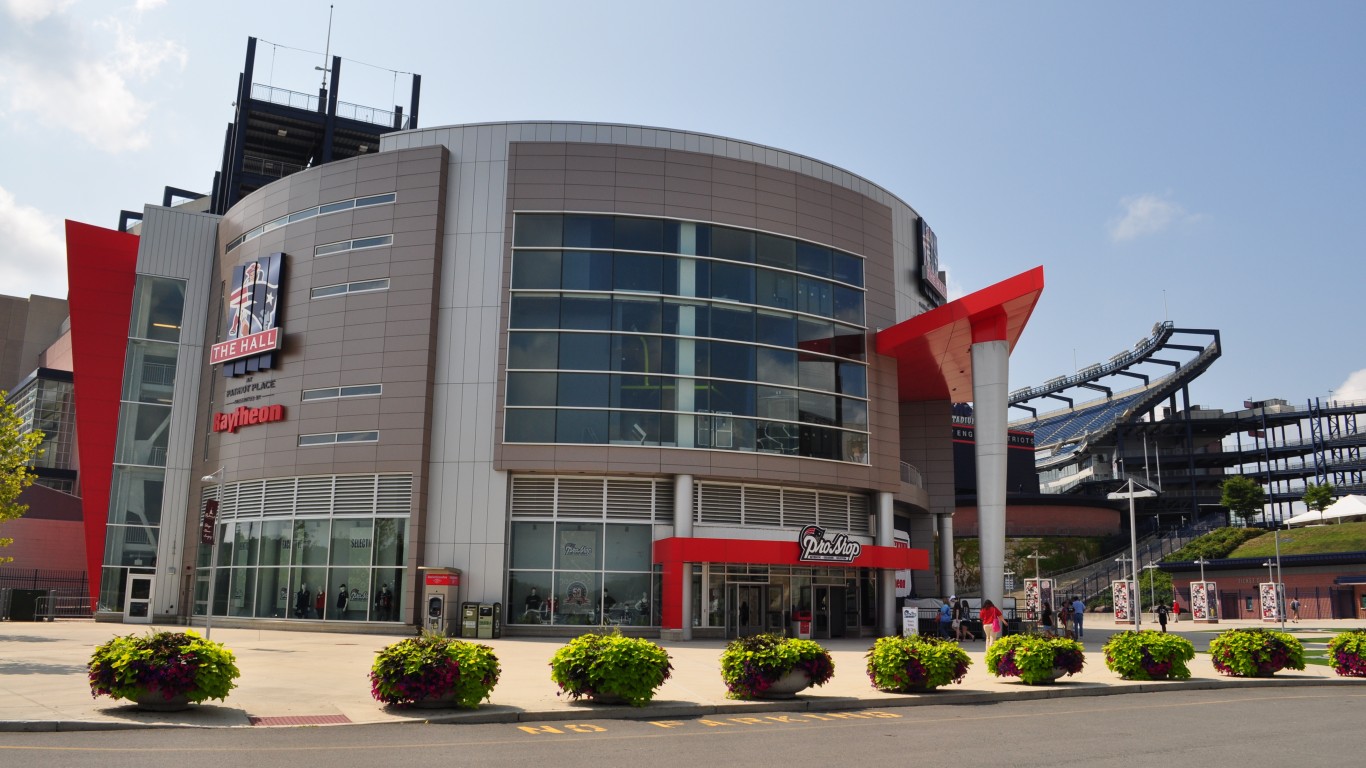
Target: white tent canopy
point(1308, 517)
point(1347, 506)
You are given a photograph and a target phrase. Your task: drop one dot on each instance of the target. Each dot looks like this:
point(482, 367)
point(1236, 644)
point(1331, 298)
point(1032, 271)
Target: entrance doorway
point(828, 611)
point(137, 603)
point(746, 606)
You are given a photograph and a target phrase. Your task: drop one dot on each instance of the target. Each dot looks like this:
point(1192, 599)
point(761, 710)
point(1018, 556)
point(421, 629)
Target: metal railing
point(309, 102)
point(910, 475)
point(265, 167)
point(50, 607)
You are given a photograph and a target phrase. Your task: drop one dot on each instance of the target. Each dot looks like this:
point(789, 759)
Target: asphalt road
point(1210, 729)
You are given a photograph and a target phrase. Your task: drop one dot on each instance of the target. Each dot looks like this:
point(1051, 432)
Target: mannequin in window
point(343, 597)
point(301, 602)
point(318, 602)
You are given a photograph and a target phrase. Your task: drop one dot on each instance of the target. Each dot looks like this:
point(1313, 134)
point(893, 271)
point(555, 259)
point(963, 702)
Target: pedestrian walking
point(1065, 620)
point(1295, 610)
point(1046, 619)
point(962, 614)
point(1078, 610)
point(993, 621)
point(946, 616)
point(1162, 616)
point(1176, 611)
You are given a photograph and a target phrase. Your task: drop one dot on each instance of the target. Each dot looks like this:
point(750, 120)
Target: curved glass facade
point(626, 330)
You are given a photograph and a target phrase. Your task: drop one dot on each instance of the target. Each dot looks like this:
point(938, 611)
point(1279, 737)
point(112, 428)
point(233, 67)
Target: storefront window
point(581, 573)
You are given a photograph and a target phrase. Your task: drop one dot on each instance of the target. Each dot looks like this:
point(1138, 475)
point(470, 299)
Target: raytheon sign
point(253, 318)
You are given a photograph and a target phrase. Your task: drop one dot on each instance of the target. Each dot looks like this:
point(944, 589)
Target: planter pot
point(154, 701)
point(606, 698)
point(1052, 677)
point(787, 686)
point(912, 688)
point(443, 701)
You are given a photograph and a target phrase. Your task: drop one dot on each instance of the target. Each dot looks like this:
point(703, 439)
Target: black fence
point(27, 594)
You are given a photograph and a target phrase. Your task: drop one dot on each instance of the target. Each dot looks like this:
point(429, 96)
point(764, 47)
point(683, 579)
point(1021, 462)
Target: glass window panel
point(327, 438)
point(820, 442)
point(588, 427)
point(732, 323)
point(135, 495)
point(158, 305)
point(811, 331)
point(628, 547)
point(777, 251)
point(777, 403)
point(535, 312)
point(814, 297)
point(368, 285)
point(626, 599)
point(732, 361)
point(532, 546)
point(308, 596)
point(131, 545)
point(816, 408)
point(538, 230)
point(636, 392)
point(272, 593)
point(732, 281)
point(776, 328)
point(361, 390)
point(686, 318)
point(301, 215)
point(386, 589)
point(533, 350)
point(349, 593)
point(635, 234)
point(816, 374)
point(586, 271)
point(813, 259)
point(390, 535)
point(578, 547)
point(732, 397)
point(853, 379)
point(635, 428)
point(144, 431)
point(531, 388)
point(531, 595)
point(246, 542)
point(847, 268)
point(732, 244)
point(310, 542)
point(583, 390)
point(352, 542)
point(586, 313)
point(375, 200)
point(588, 231)
point(638, 272)
point(536, 269)
point(847, 304)
point(641, 354)
point(776, 289)
point(331, 248)
point(848, 342)
point(373, 242)
point(275, 542)
point(853, 413)
point(637, 315)
point(855, 447)
point(701, 357)
point(777, 437)
point(357, 437)
point(576, 597)
point(242, 586)
point(327, 291)
point(585, 351)
point(529, 426)
point(686, 277)
point(693, 239)
point(344, 205)
point(776, 366)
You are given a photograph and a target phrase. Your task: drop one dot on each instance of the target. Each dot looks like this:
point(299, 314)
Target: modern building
point(610, 374)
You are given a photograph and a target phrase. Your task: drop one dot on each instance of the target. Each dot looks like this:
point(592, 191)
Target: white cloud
point(33, 258)
point(148, 5)
point(1147, 214)
point(59, 72)
point(1354, 388)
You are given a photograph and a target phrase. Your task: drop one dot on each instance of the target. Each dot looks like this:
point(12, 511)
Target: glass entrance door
point(745, 609)
point(137, 603)
point(828, 611)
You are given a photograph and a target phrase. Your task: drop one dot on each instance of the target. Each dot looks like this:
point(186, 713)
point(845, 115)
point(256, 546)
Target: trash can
point(497, 619)
point(485, 621)
point(801, 625)
point(469, 620)
point(23, 604)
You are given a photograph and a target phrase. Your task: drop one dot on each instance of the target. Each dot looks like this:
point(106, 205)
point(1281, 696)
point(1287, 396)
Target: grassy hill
point(1344, 537)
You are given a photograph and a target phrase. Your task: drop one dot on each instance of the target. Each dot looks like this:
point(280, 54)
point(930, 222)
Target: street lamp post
point(1124, 576)
point(1280, 577)
point(1202, 562)
point(1132, 494)
point(213, 550)
point(1152, 588)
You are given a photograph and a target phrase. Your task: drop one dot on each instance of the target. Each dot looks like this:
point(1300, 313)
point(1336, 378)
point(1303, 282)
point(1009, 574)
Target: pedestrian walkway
point(316, 678)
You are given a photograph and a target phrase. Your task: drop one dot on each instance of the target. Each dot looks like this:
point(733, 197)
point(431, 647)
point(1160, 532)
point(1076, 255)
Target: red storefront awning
point(752, 552)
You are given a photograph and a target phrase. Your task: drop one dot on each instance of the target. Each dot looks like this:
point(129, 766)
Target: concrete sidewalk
point(313, 678)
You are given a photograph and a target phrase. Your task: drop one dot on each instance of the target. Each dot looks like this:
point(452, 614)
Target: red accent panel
point(101, 269)
point(934, 350)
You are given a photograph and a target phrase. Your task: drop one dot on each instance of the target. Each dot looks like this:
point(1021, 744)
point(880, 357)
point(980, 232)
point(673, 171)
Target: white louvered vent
point(354, 495)
point(858, 514)
point(630, 499)
point(664, 501)
point(834, 511)
point(719, 504)
point(278, 498)
point(314, 496)
point(799, 508)
point(533, 497)
point(249, 496)
point(395, 495)
point(763, 506)
point(580, 498)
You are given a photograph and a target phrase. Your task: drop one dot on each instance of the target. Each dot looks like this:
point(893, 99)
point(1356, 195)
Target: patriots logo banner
point(253, 310)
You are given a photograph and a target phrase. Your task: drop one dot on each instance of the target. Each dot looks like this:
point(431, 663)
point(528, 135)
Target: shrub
point(915, 662)
point(1255, 652)
point(1034, 657)
point(612, 666)
point(750, 665)
point(1148, 655)
point(431, 667)
point(1347, 653)
point(171, 664)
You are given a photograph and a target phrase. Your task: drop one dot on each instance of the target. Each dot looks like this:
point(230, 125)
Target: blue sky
point(1198, 162)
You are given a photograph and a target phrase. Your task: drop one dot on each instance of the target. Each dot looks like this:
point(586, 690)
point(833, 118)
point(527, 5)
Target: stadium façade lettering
point(816, 548)
point(963, 433)
point(249, 392)
point(253, 309)
point(244, 417)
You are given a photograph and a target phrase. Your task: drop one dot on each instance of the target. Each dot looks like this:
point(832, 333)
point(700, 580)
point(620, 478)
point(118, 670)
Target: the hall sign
point(253, 306)
point(245, 417)
point(816, 548)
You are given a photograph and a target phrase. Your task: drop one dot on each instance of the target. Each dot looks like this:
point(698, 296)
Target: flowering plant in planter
point(1149, 655)
point(902, 664)
point(607, 667)
point(1347, 653)
point(1035, 658)
point(162, 665)
point(1255, 652)
point(431, 669)
point(750, 665)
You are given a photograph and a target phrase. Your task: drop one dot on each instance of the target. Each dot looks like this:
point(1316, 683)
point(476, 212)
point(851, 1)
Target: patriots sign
point(253, 318)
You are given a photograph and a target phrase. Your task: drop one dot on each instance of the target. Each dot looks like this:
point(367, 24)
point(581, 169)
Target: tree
point(1318, 497)
point(1242, 496)
point(17, 449)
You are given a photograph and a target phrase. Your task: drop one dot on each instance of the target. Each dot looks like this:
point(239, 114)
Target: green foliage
point(1255, 652)
point(1344, 537)
point(1217, 544)
point(611, 665)
point(16, 451)
point(1149, 655)
point(167, 663)
point(749, 665)
point(1242, 496)
point(1318, 497)
point(902, 664)
point(1347, 653)
point(1034, 657)
point(1058, 554)
point(431, 667)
